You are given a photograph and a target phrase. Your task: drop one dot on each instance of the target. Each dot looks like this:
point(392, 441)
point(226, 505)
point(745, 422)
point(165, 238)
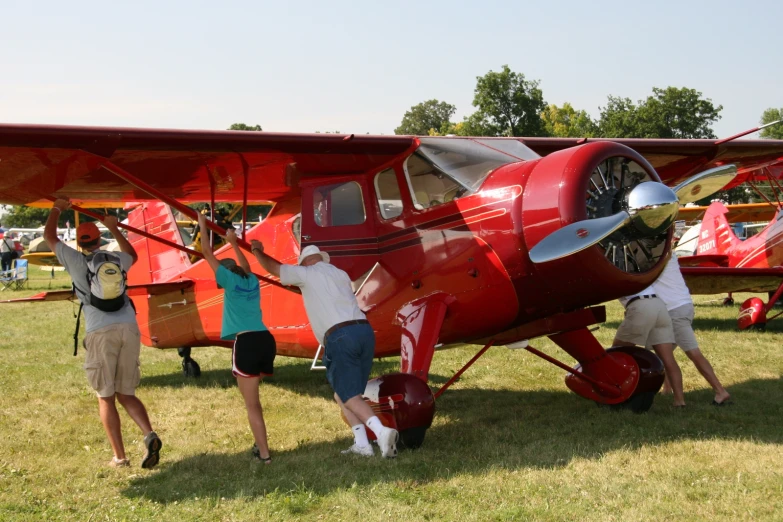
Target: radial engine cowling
point(588, 182)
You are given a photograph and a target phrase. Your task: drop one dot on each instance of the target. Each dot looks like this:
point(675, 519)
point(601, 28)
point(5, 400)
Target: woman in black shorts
point(254, 347)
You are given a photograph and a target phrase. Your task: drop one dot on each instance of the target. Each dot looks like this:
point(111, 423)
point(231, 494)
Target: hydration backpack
point(107, 281)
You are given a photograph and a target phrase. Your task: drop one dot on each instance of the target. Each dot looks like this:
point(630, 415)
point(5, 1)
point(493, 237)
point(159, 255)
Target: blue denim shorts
point(348, 354)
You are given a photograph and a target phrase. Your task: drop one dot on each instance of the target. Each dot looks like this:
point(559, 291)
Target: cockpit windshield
point(469, 161)
point(444, 169)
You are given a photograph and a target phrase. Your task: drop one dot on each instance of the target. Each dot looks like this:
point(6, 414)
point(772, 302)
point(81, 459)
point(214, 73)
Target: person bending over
point(647, 323)
point(346, 335)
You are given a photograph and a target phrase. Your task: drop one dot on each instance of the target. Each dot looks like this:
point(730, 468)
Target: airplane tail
point(716, 236)
point(157, 262)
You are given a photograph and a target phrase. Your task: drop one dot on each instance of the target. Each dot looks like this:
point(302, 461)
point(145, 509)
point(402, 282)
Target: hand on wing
point(256, 245)
point(202, 221)
point(62, 204)
point(231, 236)
point(110, 222)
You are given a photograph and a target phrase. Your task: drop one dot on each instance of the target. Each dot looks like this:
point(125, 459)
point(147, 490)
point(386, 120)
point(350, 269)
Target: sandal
point(257, 454)
point(119, 463)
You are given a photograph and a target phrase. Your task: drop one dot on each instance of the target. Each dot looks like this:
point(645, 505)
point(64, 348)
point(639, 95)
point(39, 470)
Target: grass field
point(509, 441)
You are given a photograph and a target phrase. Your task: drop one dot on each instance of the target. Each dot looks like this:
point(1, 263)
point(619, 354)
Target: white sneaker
point(364, 451)
point(387, 441)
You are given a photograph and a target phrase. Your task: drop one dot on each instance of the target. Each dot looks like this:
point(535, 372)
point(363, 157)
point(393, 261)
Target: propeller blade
point(576, 237)
point(705, 183)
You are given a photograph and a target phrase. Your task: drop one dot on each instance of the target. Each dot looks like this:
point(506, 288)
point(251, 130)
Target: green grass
point(509, 441)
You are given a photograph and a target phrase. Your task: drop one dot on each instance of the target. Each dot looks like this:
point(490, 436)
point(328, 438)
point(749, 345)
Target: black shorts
point(253, 354)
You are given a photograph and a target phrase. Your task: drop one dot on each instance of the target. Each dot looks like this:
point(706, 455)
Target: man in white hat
point(347, 337)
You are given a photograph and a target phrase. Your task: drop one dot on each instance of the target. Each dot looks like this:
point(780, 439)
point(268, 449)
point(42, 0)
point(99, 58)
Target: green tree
point(244, 127)
point(30, 217)
point(776, 131)
point(669, 113)
point(567, 122)
point(426, 116)
point(507, 105)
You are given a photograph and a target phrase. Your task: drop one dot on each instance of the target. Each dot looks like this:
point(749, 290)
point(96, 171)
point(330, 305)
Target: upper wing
point(677, 160)
point(39, 161)
point(736, 214)
point(722, 280)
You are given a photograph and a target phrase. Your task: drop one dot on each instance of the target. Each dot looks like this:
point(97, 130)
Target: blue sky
point(358, 66)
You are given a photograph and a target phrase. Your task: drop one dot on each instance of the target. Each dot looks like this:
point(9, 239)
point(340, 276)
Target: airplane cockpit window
point(388, 191)
point(338, 205)
point(429, 185)
point(469, 162)
point(442, 170)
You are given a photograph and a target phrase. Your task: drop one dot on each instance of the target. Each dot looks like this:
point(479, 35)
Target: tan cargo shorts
point(646, 323)
point(682, 321)
point(112, 360)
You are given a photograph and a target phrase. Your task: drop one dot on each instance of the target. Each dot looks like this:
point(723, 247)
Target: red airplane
point(448, 240)
point(727, 264)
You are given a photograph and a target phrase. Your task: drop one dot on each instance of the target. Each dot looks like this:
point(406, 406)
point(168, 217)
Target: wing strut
point(135, 230)
point(192, 214)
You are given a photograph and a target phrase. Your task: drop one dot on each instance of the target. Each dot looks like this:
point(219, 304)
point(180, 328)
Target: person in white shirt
point(672, 290)
point(346, 335)
point(647, 323)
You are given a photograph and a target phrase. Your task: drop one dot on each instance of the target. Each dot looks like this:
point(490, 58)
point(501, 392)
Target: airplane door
point(338, 217)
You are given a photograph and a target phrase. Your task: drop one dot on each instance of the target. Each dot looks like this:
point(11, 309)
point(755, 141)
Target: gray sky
point(358, 66)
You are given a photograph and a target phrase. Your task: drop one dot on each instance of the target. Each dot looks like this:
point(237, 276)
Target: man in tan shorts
point(647, 323)
point(112, 341)
point(672, 290)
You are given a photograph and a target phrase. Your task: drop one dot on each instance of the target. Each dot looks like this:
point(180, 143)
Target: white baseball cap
point(311, 250)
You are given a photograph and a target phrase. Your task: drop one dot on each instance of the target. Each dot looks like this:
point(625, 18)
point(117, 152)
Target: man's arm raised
point(269, 264)
point(110, 222)
point(50, 230)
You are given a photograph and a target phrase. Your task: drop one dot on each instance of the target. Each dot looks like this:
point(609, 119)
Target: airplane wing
point(85, 163)
point(40, 161)
point(677, 160)
point(56, 295)
point(722, 280)
point(133, 291)
point(744, 213)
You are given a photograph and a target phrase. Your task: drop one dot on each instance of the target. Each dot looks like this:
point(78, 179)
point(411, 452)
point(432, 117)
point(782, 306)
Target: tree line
point(508, 104)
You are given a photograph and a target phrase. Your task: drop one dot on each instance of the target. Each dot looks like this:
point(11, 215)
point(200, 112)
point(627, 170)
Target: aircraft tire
point(190, 368)
point(728, 301)
point(758, 327)
point(412, 438)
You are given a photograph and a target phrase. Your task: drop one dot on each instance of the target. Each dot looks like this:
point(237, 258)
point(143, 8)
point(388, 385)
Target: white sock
point(375, 424)
point(360, 436)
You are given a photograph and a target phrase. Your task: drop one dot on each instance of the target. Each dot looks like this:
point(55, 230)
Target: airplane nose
point(653, 208)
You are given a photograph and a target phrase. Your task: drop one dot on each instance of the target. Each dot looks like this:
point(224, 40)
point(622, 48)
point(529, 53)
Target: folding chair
point(15, 278)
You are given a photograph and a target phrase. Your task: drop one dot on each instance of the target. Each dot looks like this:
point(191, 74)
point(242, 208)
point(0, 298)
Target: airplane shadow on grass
point(297, 377)
point(476, 431)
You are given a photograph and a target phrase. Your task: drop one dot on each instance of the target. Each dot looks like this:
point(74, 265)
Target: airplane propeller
point(705, 184)
point(650, 208)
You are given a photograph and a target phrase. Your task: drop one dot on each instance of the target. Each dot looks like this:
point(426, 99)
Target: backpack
point(107, 281)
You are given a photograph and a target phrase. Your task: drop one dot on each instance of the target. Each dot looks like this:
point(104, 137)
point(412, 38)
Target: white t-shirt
point(328, 297)
point(670, 286)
